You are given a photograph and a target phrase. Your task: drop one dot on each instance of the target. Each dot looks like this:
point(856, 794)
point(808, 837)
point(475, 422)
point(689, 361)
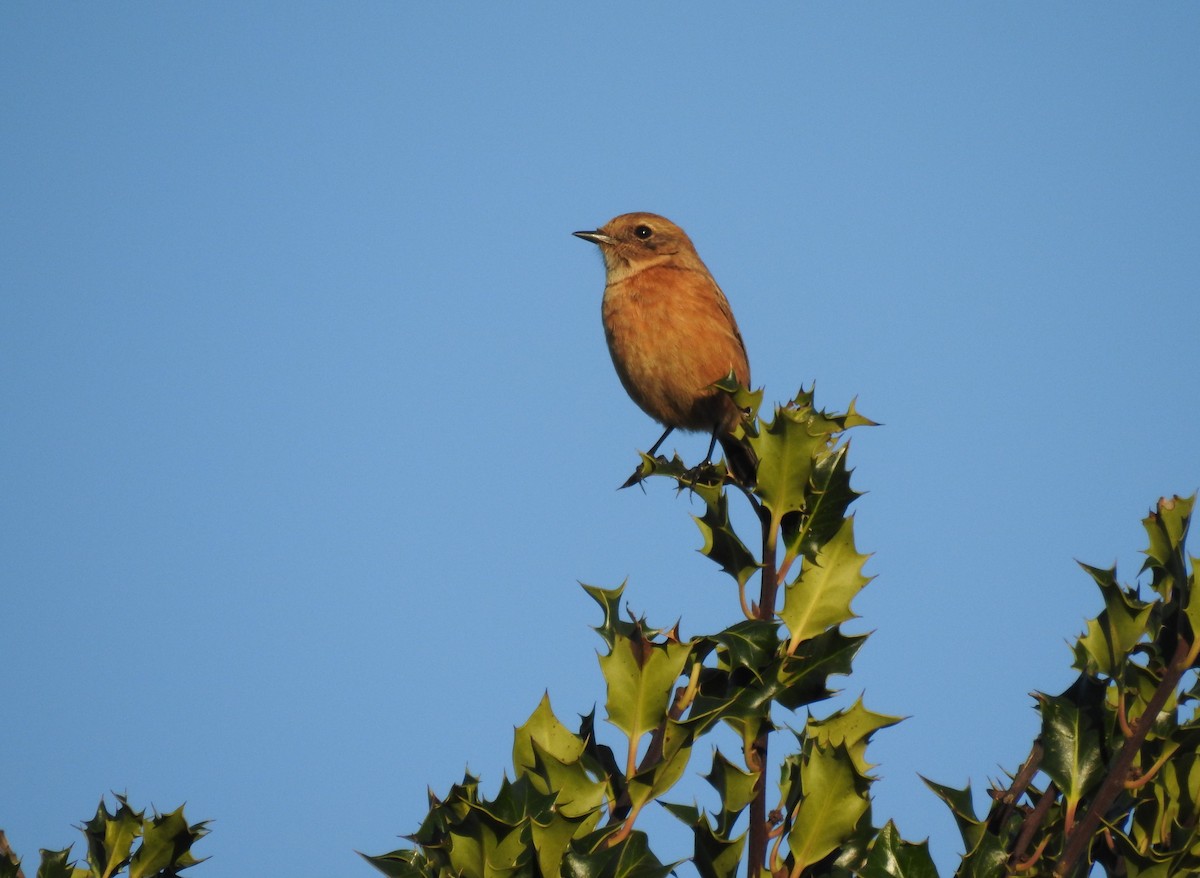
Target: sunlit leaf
point(820, 598)
point(893, 857)
point(831, 807)
point(553, 737)
point(640, 675)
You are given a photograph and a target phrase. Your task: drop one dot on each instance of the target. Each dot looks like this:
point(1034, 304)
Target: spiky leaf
point(833, 802)
point(640, 675)
point(820, 598)
point(893, 857)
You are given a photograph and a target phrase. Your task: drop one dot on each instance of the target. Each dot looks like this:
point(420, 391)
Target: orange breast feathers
point(671, 334)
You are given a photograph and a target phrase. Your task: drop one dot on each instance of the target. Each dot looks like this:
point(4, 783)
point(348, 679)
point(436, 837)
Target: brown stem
point(1123, 714)
point(1026, 865)
point(1079, 839)
point(1032, 823)
point(759, 828)
point(1008, 802)
point(1153, 770)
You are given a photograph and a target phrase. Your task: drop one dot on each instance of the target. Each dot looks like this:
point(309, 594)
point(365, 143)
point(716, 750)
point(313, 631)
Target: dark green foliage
point(573, 807)
point(1113, 779)
point(158, 846)
point(1112, 782)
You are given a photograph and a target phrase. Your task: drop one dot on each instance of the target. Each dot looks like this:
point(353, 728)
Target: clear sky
point(309, 429)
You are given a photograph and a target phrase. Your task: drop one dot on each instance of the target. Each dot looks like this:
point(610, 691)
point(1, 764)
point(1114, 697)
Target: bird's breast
point(671, 335)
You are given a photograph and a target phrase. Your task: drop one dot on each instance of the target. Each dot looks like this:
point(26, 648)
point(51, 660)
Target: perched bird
point(671, 332)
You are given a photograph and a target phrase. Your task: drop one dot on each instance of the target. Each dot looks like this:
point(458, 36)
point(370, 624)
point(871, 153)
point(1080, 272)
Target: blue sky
point(309, 429)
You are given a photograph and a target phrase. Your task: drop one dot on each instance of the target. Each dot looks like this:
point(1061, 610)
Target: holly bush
point(1111, 783)
point(1113, 779)
point(155, 846)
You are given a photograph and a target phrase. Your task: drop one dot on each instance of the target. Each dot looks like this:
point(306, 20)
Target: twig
point(759, 829)
point(1032, 823)
point(1079, 839)
point(1008, 802)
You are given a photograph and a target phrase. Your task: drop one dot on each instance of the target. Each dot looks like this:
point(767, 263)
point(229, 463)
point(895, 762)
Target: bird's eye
point(643, 232)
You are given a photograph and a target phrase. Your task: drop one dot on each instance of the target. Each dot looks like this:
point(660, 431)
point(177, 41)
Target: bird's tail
point(740, 459)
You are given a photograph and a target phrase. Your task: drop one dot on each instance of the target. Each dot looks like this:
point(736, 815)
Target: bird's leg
point(637, 473)
point(663, 438)
point(693, 474)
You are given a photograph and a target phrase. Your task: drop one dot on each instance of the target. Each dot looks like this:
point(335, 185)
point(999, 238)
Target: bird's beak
point(594, 237)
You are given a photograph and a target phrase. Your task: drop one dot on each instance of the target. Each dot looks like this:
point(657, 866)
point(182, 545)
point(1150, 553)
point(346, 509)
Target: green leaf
point(820, 598)
point(734, 785)
point(601, 756)
point(55, 864)
point(893, 857)
point(833, 802)
point(721, 542)
point(482, 852)
point(544, 728)
point(1191, 606)
point(609, 600)
point(552, 835)
point(1111, 636)
point(830, 495)
point(851, 728)
point(1167, 528)
point(749, 401)
point(804, 676)
point(110, 837)
point(665, 772)
point(962, 806)
point(1074, 756)
point(516, 803)
point(713, 854)
point(576, 793)
point(748, 645)
point(785, 450)
point(988, 859)
point(166, 845)
point(631, 858)
point(641, 675)
point(402, 864)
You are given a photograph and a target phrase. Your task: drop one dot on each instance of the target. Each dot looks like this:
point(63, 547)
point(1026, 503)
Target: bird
point(671, 333)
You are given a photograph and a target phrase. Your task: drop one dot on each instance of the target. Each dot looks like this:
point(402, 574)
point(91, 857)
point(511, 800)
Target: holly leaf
point(641, 675)
point(1167, 528)
point(110, 837)
point(748, 645)
point(591, 857)
point(851, 728)
point(830, 495)
point(56, 864)
point(1074, 756)
point(1111, 636)
point(609, 600)
point(820, 598)
point(962, 806)
point(834, 800)
point(804, 676)
point(403, 863)
point(552, 737)
point(734, 785)
point(166, 845)
point(785, 448)
point(721, 542)
point(893, 857)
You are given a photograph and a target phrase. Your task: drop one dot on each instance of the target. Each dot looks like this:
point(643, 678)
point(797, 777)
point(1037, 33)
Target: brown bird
point(671, 332)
